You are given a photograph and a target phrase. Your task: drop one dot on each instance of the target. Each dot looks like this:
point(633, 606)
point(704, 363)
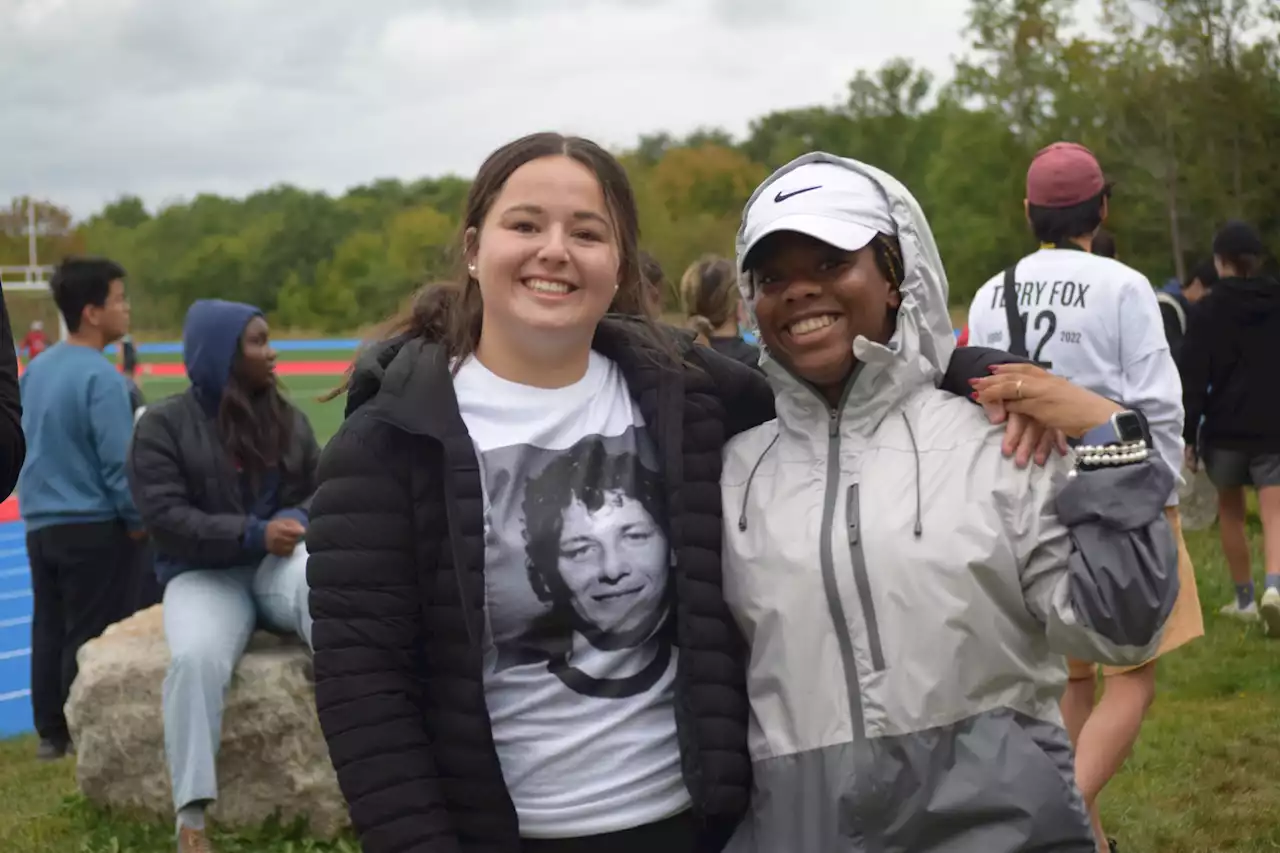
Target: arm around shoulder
point(745, 393)
point(367, 633)
point(1101, 570)
point(973, 362)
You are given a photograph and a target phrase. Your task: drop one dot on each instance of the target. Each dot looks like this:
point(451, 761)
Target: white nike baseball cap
point(831, 203)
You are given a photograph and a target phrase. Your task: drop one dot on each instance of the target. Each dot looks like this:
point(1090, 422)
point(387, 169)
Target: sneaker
point(1235, 611)
point(193, 841)
point(51, 750)
point(1269, 610)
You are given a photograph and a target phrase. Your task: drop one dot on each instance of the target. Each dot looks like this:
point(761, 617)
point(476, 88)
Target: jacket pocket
point(853, 524)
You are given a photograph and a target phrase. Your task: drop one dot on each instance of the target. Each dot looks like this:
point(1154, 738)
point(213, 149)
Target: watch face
point(1129, 427)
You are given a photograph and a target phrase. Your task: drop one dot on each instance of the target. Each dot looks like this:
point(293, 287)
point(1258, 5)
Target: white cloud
point(167, 99)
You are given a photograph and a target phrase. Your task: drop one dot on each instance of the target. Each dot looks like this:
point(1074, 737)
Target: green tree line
point(1180, 99)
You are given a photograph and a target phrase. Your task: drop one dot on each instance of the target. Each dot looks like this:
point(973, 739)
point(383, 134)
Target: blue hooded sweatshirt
point(1173, 287)
point(210, 339)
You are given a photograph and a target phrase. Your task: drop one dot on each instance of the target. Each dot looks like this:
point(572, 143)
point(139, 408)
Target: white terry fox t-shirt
point(579, 664)
point(1096, 322)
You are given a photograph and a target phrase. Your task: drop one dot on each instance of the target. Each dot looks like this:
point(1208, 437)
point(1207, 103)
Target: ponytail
point(443, 311)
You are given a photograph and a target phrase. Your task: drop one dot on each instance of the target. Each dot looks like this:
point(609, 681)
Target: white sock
point(191, 817)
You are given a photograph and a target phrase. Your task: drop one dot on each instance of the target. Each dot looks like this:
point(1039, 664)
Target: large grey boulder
point(273, 761)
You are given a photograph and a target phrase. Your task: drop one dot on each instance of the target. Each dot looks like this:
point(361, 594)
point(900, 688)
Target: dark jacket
point(734, 347)
point(193, 500)
point(13, 444)
point(1174, 311)
point(136, 399)
point(1228, 365)
point(397, 595)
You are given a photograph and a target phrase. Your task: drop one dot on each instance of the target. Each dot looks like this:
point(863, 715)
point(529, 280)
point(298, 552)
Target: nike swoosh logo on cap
point(784, 196)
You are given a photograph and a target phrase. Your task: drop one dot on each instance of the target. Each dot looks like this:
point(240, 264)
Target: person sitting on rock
point(223, 476)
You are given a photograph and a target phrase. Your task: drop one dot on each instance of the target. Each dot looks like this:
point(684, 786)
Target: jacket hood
point(1249, 301)
point(210, 337)
point(924, 340)
point(370, 368)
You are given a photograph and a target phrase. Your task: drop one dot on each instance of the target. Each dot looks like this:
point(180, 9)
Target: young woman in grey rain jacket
point(907, 595)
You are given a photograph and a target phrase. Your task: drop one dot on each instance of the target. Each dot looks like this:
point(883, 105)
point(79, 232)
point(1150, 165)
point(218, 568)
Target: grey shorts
point(1233, 468)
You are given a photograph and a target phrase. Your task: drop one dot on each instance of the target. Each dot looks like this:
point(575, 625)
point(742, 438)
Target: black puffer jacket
point(190, 495)
point(397, 595)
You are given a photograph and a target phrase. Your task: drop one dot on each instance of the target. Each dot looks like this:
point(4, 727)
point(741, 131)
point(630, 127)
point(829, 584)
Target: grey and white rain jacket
point(908, 595)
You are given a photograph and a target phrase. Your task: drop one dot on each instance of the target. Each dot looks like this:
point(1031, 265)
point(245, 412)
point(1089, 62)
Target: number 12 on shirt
point(1041, 329)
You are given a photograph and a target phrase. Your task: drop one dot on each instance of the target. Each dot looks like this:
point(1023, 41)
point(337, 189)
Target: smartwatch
point(1125, 427)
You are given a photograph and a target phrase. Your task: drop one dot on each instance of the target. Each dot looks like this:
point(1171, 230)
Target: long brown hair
point(451, 312)
point(255, 426)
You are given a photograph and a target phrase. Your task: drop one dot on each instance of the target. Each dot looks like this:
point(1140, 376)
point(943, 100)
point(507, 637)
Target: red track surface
point(283, 368)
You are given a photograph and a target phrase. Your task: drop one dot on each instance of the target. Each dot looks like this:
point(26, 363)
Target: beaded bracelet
point(1099, 456)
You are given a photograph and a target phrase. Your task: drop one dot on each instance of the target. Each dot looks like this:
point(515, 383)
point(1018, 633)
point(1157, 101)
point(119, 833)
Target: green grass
point(1202, 778)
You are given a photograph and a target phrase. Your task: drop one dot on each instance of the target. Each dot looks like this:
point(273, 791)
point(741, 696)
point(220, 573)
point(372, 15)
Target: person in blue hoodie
point(1178, 299)
point(223, 476)
point(82, 527)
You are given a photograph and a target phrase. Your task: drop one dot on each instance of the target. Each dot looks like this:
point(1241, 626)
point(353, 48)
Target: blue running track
point(15, 632)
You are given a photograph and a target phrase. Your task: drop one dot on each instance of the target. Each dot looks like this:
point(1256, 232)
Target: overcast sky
point(168, 98)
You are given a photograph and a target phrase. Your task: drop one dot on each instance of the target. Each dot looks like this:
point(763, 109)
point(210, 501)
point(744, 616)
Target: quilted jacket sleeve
point(747, 397)
point(181, 530)
point(974, 363)
point(13, 444)
point(1100, 561)
point(367, 634)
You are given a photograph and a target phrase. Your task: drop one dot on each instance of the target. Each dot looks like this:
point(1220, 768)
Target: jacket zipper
point(844, 636)
point(864, 796)
point(861, 578)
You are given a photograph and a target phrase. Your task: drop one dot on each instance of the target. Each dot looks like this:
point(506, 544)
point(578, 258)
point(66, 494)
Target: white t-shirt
point(1097, 322)
point(579, 663)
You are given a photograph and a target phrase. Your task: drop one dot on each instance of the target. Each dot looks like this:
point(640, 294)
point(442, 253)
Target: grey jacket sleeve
point(1101, 567)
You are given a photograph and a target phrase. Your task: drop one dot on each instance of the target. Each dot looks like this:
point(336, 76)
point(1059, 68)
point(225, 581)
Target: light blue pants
point(209, 616)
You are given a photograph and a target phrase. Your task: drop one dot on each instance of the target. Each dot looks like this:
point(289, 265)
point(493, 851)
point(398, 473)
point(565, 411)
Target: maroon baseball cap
point(1063, 175)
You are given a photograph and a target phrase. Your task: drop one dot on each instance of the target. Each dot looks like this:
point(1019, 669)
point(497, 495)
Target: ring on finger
point(1018, 388)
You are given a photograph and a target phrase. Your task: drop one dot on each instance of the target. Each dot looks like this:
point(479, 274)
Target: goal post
point(27, 295)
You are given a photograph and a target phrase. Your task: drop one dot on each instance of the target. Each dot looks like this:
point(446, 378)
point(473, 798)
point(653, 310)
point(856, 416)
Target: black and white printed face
point(577, 563)
point(613, 562)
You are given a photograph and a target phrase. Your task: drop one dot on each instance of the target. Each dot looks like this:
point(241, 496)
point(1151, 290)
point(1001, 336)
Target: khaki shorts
point(1185, 622)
